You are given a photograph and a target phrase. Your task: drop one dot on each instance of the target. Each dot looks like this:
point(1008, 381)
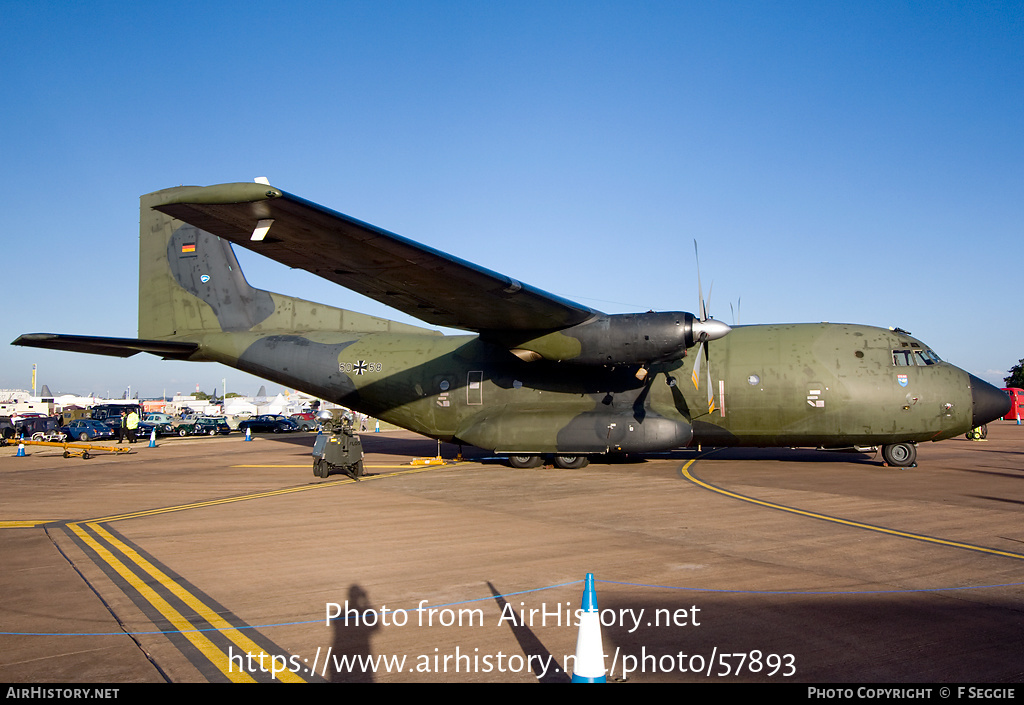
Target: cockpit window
point(909, 358)
point(902, 358)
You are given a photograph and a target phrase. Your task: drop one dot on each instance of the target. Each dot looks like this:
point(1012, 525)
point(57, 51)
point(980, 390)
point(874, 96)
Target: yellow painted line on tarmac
point(255, 495)
point(685, 471)
point(213, 653)
point(31, 523)
point(181, 624)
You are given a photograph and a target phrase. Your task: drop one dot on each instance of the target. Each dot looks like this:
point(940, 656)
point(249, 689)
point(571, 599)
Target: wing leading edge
point(428, 284)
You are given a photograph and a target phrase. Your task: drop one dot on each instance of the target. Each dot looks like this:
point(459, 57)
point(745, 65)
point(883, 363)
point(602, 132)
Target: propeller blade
point(700, 287)
point(704, 331)
point(711, 393)
point(696, 368)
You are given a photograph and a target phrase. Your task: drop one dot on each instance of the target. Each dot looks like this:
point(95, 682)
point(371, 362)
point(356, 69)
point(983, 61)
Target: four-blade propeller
point(704, 331)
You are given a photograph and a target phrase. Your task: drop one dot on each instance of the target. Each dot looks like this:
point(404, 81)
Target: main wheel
point(524, 461)
point(571, 462)
point(900, 455)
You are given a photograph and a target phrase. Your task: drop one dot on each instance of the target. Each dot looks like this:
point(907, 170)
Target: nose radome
point(990, 403)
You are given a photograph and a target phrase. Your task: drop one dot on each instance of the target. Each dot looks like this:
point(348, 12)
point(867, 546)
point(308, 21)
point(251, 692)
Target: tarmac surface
point(187, 561)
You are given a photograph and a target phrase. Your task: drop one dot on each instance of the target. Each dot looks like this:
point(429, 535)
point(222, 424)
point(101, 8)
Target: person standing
point(132, 420)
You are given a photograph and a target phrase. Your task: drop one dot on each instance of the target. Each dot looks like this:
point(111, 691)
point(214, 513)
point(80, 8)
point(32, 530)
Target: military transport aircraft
point(538, 375)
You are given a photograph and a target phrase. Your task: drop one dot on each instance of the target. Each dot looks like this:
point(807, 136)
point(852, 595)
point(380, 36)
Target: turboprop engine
point(620, 339)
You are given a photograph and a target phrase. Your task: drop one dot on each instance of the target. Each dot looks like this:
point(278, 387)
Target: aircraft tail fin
point(190, 284)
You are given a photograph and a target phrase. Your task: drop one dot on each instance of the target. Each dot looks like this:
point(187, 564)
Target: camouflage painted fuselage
point(827, 385)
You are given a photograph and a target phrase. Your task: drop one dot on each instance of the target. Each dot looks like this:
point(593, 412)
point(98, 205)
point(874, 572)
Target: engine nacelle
point(620, 339)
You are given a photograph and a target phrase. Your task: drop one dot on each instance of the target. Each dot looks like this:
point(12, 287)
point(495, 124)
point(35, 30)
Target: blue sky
point(851, 162)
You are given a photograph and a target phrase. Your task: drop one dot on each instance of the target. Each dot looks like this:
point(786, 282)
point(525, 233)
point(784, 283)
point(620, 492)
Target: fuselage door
point(475, 388)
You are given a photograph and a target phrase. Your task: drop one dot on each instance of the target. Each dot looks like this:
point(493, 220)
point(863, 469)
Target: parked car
point(161, 423)
point(306, 421)
point(212, 425)
point(109, 412)
point(146, 428)
point(87, 430)
point(184, 420)
point(204, 426)
point(40, 428)
point(268, 423)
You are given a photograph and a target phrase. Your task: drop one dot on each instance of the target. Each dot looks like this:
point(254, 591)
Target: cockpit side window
point(902, 358)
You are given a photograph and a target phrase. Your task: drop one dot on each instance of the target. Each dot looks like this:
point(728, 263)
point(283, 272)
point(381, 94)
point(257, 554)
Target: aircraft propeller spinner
point(704, 331)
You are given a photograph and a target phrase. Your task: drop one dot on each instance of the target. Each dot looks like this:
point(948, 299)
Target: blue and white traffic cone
point(248, 433)
point(152, 438)
point(589, 666)
point(21, 450)
point(377, 427)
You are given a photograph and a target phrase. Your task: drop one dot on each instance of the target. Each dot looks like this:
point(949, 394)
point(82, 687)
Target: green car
point(206, 426)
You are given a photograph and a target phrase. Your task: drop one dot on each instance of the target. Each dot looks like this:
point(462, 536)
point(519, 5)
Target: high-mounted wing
point(430, 285)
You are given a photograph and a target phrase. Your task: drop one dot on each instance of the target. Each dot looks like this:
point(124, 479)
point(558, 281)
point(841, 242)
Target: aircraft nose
point(990, 403)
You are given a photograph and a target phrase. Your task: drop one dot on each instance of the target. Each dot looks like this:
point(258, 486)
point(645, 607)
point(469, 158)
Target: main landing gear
point(566, 462)
point(525, 461)
point(900, 455)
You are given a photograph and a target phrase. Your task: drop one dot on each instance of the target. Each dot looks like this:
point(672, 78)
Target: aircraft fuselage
point(829, 385)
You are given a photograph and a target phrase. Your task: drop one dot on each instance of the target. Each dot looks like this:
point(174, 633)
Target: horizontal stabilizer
point(115, 347)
